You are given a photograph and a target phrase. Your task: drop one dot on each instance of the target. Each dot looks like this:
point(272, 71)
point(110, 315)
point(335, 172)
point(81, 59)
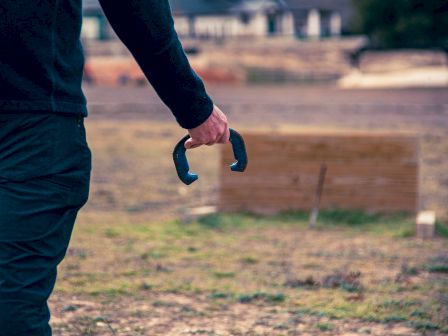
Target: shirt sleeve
point(146, 27)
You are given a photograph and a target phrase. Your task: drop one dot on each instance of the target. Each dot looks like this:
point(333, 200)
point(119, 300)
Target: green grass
point(442, 229)
point(325, 326)
point(398, 226)
point(220, 295)
point(261, 296)
point(438, 268)
point(224, 275)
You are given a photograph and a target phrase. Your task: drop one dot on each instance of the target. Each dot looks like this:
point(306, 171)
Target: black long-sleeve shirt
point(41, 58)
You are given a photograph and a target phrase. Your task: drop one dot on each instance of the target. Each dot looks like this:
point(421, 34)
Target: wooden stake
point(319, 191)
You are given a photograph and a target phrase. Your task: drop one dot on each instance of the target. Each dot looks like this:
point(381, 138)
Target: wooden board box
point(374, 172)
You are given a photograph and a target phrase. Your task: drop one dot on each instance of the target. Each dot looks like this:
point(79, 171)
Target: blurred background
point(340, 224)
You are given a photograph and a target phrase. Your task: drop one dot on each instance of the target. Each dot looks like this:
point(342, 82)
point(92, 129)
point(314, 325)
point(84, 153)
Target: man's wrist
point(196, 116)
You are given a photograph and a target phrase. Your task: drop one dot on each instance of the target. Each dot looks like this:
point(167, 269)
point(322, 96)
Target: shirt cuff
point(195, 115)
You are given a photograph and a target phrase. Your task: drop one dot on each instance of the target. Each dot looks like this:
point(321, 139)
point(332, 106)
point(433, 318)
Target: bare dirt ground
point(133, 269)
point(182, 314)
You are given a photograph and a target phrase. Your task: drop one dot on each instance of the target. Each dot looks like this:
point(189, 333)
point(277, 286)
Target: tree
point(403, 23)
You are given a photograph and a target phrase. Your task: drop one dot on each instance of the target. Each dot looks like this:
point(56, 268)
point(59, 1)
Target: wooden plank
point(366, 171)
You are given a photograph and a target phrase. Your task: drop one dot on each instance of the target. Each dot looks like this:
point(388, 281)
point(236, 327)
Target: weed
point(272, 298)
point(281, 326)
point(249, 260)
point(129, 273)
point(110, 292)
point(162, 268)
point(186, 309)
point(202, 332)
point(152, 255)
point(101, 319)
point(348, 281)
point(276, 297)
point(309, 283)
point(70, 308)
point(219, 295)
point(311, 266)
point(396, 304)
point(73, 267)
point(424, 325)
point(409, 270)
point(325, 326)
point(438, 268)
point(77, 252)
point(419, 313)
point(160, 303)
point(139, 313)
point(394, 319)
point(224, 275)
point(111, 233)
point(440, 259)
point(246, 298)
point(146, 286)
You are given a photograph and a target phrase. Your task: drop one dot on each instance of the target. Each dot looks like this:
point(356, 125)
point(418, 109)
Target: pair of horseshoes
point(183, 168)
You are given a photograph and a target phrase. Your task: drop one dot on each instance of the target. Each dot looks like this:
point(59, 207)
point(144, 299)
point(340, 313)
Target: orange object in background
point(114, 71)
point(123, 70)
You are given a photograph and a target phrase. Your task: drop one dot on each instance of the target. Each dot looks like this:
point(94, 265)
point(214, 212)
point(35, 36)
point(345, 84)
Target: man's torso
point(41, 58)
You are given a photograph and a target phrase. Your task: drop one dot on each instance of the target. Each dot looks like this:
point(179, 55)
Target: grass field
point(134, 269)
point(246, 275)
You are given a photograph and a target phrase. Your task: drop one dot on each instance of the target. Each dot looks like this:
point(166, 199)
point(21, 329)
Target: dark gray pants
point(45, 168)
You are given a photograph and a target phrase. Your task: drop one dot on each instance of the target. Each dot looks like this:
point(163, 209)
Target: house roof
point(318, 4)
point(258, 5)
point(198, 7)
point(186, 7)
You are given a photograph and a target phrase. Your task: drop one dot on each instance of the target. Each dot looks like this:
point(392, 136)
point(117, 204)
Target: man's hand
point(215, 130)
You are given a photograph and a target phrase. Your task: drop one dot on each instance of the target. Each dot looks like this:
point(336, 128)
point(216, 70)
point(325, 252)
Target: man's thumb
point(191, 143)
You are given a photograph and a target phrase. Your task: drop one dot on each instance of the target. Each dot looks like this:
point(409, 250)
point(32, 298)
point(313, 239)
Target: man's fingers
point(212, 131)
point(225, 138)
point(191, 143)
point(209, 140)
point(214, 141)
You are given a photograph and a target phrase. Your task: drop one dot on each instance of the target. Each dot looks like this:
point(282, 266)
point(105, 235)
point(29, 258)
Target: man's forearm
point(146, 27)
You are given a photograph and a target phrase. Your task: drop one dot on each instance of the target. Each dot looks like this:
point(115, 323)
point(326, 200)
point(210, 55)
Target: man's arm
point(146, 27)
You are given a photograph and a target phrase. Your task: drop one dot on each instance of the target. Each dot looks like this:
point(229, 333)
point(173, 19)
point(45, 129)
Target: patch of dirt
point(179, 314)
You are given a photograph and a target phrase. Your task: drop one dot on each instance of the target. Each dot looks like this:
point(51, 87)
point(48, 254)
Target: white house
point(218, 19)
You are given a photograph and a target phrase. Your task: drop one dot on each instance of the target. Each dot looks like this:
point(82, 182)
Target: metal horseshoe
point(183, 168)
